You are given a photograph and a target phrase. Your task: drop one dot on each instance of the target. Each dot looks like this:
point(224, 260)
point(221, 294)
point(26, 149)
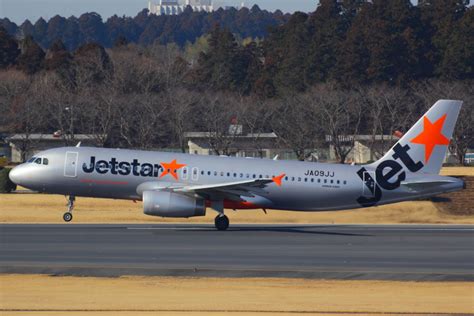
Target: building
point(266, 145)
point(366, 147)
point(263, 145)
point(175, 7)
point(24, 146)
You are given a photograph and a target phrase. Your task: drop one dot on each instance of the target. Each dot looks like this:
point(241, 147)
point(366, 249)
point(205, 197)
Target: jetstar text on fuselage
point(123, 168)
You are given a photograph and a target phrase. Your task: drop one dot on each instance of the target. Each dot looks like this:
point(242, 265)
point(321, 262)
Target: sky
point(19, 10)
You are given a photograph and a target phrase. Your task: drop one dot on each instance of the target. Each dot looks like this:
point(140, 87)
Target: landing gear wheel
point(67, 217)
point(221, 222)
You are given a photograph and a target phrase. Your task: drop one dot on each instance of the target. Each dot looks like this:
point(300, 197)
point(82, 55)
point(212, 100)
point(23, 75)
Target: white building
point(174, 7)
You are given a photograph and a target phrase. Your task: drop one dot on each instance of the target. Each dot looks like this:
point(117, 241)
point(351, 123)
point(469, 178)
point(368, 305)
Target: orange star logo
point(171, 168)
point(431, 136)
point(278, 179)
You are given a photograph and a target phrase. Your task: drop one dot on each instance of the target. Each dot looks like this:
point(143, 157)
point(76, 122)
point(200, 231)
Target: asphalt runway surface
point(384, 252)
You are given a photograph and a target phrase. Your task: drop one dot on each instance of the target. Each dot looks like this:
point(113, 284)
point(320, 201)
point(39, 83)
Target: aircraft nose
point(17, 174)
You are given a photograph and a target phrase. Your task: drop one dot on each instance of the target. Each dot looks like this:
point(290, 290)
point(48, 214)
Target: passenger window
point(325, 181)
point(241, 175)
point(312, 179)
point(338, 182)
point(286, 178)
point(235, 175)
point(38, 161)
point(208, 173)
point(228, 174)
point(45, 161)
point(299, 179)
point(222, 173)
point(319, 180)
point(305, 179)
point(215, 173)
point(345, 182)
point(332, 181)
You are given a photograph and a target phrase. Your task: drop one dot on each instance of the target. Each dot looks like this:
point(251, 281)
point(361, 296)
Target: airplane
point(184, 186)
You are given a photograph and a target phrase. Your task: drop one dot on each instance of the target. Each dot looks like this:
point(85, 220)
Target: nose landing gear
point(67, 217)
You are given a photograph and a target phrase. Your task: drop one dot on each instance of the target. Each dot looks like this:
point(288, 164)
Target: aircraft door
point(368, 186)
point(70, 164)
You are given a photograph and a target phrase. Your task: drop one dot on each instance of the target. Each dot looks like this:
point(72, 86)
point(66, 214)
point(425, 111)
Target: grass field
point(219, 296)
point(41, 208)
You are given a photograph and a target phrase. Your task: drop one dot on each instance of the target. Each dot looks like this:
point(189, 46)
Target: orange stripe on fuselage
point(236, 205)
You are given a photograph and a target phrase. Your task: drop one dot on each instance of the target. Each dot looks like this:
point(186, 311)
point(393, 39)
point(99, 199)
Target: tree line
point(290, 83)
point(145, 29)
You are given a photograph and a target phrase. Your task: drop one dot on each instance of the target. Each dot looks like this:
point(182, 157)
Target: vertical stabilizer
point(424, 146)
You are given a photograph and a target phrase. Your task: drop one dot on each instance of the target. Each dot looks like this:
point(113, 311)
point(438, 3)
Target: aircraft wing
point(229, 190)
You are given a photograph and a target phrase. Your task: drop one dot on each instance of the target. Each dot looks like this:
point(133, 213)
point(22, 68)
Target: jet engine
point(169, 204)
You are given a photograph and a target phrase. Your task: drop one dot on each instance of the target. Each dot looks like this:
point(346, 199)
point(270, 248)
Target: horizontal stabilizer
point(417, 186)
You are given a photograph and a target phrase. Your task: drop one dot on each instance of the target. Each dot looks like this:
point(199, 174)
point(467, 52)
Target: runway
point(385, 252)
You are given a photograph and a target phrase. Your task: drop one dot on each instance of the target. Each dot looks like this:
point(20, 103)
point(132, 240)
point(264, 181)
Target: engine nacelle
point(169, 204)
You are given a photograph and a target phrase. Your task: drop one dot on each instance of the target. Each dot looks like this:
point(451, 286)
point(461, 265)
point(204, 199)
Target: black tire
point(221, 222)
point(67, 217)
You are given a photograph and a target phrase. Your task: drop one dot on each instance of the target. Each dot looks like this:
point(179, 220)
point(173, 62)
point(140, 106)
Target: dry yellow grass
point(40, 208)
point(213, 296)
point(457, 171)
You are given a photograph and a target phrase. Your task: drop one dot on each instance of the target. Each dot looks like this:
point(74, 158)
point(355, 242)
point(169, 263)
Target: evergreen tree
point(27, 29)
point(440, 19)
point(218, 67)
point(458, 60)
point(31, 59)
point(40, 32)
point(8, 49)
point(57, 58)
point(327, 28)
point(286, 52)
point(56, 27)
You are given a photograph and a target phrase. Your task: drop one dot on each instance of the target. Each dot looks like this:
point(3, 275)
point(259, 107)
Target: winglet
point(278, 179)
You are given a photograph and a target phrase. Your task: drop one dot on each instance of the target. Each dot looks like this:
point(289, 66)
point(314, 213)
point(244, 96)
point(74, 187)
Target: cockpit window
point(32, 159)
point(45, 161)
point(38, 161)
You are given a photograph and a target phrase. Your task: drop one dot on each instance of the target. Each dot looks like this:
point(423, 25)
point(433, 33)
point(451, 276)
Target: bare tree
point(100, 109)
point(26, 117)
point(388, 110)
point(140, 120)
point(60, 104)
point(256, 117)
point(295, 122)
point(216, 114)
point(340, 118)
point(182, 113)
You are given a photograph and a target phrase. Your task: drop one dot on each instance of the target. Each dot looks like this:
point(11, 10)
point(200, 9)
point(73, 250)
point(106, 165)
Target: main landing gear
point(221, 222)
point(67, 217)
